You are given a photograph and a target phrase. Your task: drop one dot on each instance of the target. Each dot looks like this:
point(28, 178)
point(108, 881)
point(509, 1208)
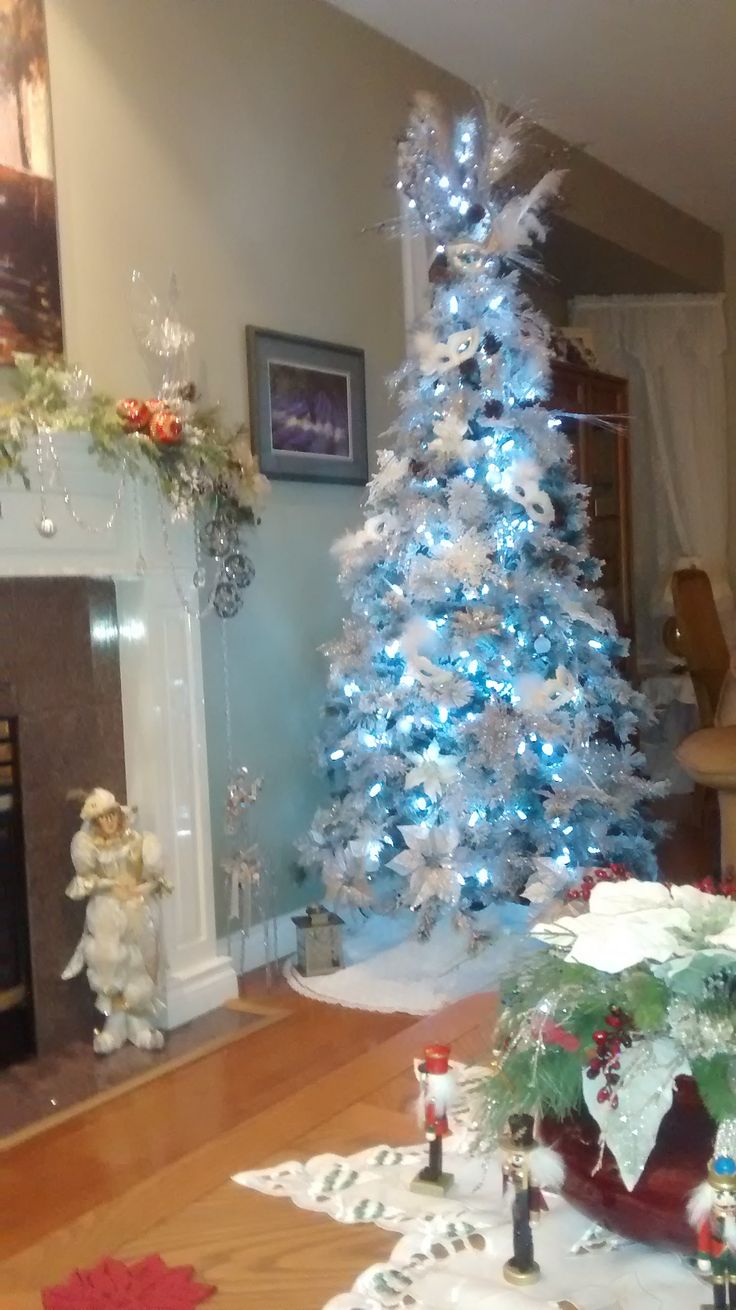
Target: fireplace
point(61, 674)
point(17, 1033)
point(105, 688)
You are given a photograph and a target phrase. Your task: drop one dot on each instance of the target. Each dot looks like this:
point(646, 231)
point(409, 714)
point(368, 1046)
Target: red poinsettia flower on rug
point(148, 1285)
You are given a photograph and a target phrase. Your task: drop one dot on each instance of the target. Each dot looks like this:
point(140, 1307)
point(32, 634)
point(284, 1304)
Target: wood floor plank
point(104, 1152)
point(266, 1136)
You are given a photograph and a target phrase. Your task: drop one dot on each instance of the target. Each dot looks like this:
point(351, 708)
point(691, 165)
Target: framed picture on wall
point(30, 291)
point(307, 407)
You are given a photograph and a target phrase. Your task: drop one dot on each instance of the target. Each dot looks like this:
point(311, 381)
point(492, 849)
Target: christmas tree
point(478, 731)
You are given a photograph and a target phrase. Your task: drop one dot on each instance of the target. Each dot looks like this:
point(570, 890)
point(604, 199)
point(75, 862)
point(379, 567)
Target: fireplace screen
point(16, 1020)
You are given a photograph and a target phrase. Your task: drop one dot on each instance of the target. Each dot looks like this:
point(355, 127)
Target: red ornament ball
point(165, 428)
point(135, 414)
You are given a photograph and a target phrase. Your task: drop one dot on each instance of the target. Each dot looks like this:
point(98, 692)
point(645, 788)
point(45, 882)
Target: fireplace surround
point(144, 607)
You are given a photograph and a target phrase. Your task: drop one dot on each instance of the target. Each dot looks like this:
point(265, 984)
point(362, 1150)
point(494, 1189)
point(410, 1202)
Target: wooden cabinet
point(601, 456)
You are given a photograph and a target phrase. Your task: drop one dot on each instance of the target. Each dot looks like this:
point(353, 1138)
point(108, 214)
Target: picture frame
point(307, 407)
point(31, 319)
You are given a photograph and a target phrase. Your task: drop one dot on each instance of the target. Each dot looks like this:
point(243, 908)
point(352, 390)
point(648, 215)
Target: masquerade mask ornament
point(521, 484)
point(442, 356)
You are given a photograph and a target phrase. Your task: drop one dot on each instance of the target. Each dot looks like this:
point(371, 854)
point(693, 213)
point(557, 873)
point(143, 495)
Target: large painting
point(307, 407)
point(30, 294)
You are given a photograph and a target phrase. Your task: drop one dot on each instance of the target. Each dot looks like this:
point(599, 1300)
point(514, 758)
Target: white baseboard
point(191, 992)
point(255, 946)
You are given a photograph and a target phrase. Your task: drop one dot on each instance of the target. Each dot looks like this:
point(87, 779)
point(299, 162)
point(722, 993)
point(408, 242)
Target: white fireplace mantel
point(161, 684)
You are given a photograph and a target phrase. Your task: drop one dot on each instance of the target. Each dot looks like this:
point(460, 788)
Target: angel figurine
point(119, 871)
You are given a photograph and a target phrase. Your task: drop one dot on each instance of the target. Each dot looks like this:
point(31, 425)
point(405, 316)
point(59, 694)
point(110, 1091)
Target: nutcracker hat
point(722, 1165)
point(436, 1059)
point(722, 1173)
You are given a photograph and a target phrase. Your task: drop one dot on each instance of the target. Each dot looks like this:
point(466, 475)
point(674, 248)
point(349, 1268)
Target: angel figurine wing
point(164, 342)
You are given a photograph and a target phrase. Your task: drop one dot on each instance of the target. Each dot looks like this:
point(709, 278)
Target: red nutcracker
point(712, 1213)
point(437, 1083)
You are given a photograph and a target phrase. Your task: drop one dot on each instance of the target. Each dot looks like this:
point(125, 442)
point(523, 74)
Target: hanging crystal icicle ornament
point(45, 525)
point(251, 893)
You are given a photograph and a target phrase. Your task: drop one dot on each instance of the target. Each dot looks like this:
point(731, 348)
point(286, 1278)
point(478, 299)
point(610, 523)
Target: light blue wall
point(277, 672)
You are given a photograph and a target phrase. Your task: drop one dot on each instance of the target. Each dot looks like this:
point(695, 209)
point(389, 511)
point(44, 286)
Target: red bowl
point(655, 1211)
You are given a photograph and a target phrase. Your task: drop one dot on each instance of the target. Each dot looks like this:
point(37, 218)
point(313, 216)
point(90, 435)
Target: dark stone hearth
point(65, 691)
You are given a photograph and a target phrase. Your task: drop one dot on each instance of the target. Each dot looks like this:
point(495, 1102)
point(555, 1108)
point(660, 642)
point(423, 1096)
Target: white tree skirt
point(453, 1249)
point(388, 970)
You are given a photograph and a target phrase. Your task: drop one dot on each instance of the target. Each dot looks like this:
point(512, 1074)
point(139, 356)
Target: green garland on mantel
point(195, 459)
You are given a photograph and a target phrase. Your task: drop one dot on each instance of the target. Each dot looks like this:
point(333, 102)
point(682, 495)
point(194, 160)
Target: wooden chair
point(700, 639)
point(708, 755)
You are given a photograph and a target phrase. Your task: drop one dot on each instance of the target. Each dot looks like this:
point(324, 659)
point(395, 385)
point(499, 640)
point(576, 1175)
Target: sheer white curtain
point(671, 349)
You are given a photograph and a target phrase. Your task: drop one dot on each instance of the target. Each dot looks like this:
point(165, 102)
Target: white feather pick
point(518, 222)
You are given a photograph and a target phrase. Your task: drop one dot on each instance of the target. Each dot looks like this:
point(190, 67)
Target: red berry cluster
point(581, 892)
point(726, 887)
point(608, 1043)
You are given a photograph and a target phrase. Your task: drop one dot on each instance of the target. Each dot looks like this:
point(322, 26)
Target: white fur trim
point(699, 1203)
point(547, 1167)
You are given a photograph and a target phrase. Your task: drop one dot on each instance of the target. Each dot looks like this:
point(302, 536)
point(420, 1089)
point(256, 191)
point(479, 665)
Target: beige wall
point(730, 306)
point(246, 144)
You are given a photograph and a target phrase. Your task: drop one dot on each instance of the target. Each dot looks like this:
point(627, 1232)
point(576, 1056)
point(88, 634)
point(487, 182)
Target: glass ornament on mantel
point(166, 346)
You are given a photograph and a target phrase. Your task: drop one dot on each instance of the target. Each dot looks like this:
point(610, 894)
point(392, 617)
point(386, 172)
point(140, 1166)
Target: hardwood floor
point(150, 1170)
point(154, 1174)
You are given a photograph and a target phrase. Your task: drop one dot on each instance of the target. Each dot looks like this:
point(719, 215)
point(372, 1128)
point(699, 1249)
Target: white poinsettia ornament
point(393, 470)
point(465, 558)
point(632, 922)
point(432, 771)
point(428, 862)
point(345, 877)
point(445, 688)
point(450, 441)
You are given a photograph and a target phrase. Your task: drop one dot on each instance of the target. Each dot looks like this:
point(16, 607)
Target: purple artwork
point(310, 410)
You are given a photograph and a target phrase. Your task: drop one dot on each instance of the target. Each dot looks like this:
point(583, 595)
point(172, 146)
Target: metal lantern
point(318, 941)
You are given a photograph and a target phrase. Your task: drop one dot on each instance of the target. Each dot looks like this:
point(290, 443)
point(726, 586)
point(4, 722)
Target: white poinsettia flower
point(725, 939)
point(344, 876)
point(450, 440)
point(429, 861)
point(465, 558)
point(393, 469)
point(432, 771)
point(443, 686)
point(712, 918)
point(467, 502)
point(627, 923)
point(453, 426)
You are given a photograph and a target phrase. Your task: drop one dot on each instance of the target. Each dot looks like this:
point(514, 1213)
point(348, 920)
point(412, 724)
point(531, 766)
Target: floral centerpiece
point(630, 998)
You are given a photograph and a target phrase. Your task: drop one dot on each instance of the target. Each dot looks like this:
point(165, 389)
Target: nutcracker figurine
point(437, 1082)
point(712, 1213)
point(527, 1168)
